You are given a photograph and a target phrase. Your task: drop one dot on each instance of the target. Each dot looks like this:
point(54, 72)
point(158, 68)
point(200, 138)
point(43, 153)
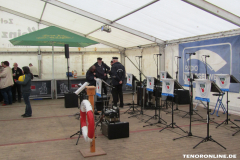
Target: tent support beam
point(210, 8)
point(148, 4)
point(52, 24)
point(103, 20)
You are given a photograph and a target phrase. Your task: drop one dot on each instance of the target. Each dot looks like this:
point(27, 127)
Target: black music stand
point(191, 101)
point(166, 102)
point(173, 124)
point(232, 80)
point(82, 97)
point(214, 88)
point(131, 105)
point(156, 90)
point(103, 108)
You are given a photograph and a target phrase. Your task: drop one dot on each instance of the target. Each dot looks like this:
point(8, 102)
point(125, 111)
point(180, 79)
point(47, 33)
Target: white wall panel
point(23, 59)
point(75, 61)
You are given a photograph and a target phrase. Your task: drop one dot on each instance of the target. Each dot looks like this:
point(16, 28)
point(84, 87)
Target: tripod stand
point(133, 92)
point(232, 80)
point(103, 106)
point(79, 133)
point(191, 102)
point(173, 124)
point(141, 95)
point(159, 109)
point(208, 138)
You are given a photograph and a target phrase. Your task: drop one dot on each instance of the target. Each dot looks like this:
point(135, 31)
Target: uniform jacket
point(90, 78)
point(100, 70)
point(117, 73)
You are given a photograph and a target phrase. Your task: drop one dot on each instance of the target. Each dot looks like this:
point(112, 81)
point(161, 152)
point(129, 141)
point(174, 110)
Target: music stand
point(232, 80)
point(167, 76)
point(214, 88)
point(173, 124)
point(191, 103)
point(131, 105)
point(157, 86)
point(103, 108)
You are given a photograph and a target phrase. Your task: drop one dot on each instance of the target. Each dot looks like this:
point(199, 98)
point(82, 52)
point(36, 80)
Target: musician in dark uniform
point(91, 76)
point(101, 72)
point(118, 76)
point(17, 72)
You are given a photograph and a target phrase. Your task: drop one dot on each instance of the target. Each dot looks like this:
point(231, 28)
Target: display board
point(41, 89)
point(222, 58)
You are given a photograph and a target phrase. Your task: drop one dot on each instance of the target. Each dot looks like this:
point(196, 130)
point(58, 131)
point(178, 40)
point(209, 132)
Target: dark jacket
point(17, 72)
point(90, 78)
point(100, 70)
point(26, 84)
point(117, 73)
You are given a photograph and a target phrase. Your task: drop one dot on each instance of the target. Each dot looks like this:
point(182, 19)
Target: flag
point(150, 84)
point(223, 81)
point(98, 87)
point(168, 87)
point(203, 88)
point(163, 75)
point(187, 79)
point(129, 79)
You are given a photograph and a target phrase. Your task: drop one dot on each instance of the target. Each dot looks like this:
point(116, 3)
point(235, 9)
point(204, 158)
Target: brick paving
point(46, 135)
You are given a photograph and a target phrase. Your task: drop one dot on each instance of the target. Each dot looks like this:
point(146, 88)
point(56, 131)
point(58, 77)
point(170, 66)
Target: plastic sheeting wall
point(75, 63)
point(170, 65)
point(60, 62)
point(23, 59)
point(149, 61)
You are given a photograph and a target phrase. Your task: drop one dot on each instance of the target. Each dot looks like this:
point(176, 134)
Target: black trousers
point(104, 87)
point(117, 92)
point(18, 88)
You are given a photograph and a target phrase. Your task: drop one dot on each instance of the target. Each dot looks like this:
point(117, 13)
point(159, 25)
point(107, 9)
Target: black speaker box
point(66, 50)
point(183, 97)
point(70, 100)
point(115, 130)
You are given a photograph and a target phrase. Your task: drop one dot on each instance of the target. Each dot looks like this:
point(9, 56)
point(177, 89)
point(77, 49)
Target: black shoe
point(19, 101)
point(121, 106)
point(25, 116)
point(13, 101)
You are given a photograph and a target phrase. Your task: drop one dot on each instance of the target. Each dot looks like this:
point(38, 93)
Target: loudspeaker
point(70, 100)
point(183, 97)
point(115, 130)
point(66, 50)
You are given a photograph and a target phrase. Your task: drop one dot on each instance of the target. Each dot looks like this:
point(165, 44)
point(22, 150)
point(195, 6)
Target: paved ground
point(46, 135)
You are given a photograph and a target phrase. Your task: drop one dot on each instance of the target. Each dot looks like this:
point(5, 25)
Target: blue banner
point(224, 58)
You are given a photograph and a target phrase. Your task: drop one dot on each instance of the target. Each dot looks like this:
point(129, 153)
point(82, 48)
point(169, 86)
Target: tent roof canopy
point(133, 22)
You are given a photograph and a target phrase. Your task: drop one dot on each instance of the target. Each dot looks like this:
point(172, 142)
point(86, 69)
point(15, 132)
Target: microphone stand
point(191, 102)
point(141, 95)
point(156, 100)
point(207, 77)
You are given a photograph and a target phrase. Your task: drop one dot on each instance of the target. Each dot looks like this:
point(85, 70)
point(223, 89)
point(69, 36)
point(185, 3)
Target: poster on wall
point(222, 56)
point(41, 89)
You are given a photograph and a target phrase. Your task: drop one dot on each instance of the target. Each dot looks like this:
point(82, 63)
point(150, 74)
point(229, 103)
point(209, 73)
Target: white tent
point(133, 22)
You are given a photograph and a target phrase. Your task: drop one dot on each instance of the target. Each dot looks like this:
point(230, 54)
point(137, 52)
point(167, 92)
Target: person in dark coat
point(91, 76)
point(26, 90)
point(101, 72)
point(118, 76)
point(17, 72)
